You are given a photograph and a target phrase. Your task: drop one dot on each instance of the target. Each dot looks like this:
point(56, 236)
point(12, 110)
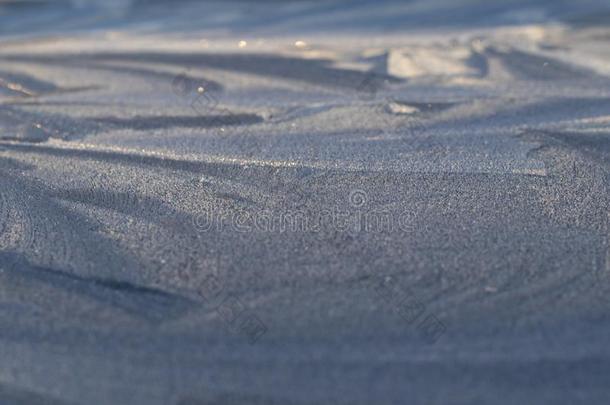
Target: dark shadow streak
point(11, 394)
point(196, 167)
point(151, 304)
point(162, 76)
point(317, 72)
point(527, 66)
point(156, 122)
point(541, 112)
point(132, 204)
point(25, 84)
point(60, 126)
point(596, 145)
point(235, 399)
point(37, 101)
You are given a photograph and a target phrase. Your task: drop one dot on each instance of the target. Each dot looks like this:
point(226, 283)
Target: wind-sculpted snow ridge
point(304, 203)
